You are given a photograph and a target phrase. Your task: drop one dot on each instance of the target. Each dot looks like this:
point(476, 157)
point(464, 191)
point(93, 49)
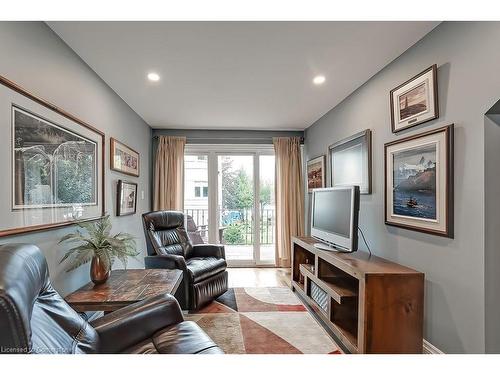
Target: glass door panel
point(266, 207)
point(196, 198)
point(236, 207)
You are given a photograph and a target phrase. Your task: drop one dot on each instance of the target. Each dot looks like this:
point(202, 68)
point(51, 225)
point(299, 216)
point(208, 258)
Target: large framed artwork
point(316, 173)
point(123, 159)
point(415, 101)
point(126, 202)
point(419, 182)
point(351, 161)
point(56, 170)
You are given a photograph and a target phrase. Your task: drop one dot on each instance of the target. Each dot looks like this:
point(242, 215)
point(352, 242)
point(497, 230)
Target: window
point(201, 190)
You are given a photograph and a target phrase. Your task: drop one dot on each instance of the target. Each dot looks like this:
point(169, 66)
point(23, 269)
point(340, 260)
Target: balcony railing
point(236, 226)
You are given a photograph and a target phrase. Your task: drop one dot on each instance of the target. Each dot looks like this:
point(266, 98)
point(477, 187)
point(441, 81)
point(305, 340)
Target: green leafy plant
point(234, 234)
point(97, 242)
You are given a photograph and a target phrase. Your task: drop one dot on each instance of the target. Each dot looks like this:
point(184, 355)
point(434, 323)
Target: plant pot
point(99, 273)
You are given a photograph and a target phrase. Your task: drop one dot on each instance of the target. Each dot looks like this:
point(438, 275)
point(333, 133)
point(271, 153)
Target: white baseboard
point(428, 348)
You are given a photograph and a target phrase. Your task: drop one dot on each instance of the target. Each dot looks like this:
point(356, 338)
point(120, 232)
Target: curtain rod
point(226, 138)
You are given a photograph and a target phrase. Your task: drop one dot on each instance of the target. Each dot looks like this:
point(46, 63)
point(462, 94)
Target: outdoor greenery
point(74, 179)
point(99, 242)
point(234, 234)
point(237, 195)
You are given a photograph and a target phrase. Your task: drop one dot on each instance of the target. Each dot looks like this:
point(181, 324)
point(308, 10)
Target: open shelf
point(347, 332)
point(383, 316)
point(339, 288)
point(301, 257)
point(306, 268)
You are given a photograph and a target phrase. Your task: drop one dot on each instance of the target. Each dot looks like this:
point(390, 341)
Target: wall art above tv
point(351, 162)
point(56, 173)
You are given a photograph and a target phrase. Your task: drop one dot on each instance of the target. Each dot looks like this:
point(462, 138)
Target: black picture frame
point(121, 187)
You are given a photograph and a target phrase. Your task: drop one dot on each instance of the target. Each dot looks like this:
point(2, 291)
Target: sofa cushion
point(183, 338)
point(200, 269)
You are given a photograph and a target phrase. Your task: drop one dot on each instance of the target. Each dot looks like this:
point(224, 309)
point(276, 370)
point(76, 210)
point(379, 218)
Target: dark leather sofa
point(34, 318)
point(203, 265)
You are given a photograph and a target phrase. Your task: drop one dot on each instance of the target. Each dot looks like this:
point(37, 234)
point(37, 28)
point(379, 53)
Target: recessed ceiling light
point(319, 80)
point(154, 77)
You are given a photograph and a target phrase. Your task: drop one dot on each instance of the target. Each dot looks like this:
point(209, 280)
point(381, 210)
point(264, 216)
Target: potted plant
point(98, 246)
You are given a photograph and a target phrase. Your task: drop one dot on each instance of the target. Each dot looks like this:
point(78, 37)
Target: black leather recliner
point(203, 265)
point(34, 318)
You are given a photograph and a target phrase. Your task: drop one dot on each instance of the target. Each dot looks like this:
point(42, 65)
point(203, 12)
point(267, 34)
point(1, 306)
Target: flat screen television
point(334, 218)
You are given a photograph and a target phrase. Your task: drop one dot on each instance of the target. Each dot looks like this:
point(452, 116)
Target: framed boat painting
point(123, 159)
point(56, 169)
point(419, 182)
point(415, 101)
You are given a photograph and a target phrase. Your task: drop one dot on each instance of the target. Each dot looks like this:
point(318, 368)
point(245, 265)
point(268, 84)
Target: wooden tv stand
point(370, 304)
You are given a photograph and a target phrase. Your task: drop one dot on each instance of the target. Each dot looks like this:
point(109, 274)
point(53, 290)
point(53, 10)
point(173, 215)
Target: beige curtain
point(169, 174)
point(289, 197)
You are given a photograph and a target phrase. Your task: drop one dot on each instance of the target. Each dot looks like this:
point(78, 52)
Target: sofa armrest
point(167, 261)
point(135, 323)
point(208, 250)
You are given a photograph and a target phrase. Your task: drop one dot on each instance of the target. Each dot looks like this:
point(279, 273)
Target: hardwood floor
point(258, 277)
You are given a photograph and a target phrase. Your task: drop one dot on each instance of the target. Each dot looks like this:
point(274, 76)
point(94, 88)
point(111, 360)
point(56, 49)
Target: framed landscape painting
point(123, 159)
point(316, 173)
point(415, 101)
point(55, 175)
point(126, 198)
point(419, 182)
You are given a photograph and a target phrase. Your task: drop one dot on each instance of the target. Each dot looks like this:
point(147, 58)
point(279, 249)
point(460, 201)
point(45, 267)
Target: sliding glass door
point(236, 201)
point(235, 191)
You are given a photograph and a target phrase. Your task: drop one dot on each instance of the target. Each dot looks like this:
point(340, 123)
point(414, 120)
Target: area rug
point(263, 321)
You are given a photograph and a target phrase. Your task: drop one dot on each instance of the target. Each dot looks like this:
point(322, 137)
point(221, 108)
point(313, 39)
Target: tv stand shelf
point(370, 304)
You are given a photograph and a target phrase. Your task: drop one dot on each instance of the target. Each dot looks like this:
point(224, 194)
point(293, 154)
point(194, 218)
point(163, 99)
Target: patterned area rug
point(263, 321)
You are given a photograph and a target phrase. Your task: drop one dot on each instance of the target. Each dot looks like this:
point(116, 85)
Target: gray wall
point(468, 60)
point(35, 58)
point(492, 234)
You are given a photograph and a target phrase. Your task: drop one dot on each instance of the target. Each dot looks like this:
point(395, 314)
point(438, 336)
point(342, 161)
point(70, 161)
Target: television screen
point(334, 218)
point(332, 211)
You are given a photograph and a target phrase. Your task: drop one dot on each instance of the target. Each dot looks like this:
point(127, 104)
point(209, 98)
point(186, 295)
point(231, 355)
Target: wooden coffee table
point(123, 288)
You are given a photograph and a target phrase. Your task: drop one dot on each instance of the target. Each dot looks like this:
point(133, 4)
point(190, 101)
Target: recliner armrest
point(135, 323)
point(209, 250)
point(167, 261)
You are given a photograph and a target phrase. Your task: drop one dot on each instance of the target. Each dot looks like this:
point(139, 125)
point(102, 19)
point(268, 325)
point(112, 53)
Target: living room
point(206, 185)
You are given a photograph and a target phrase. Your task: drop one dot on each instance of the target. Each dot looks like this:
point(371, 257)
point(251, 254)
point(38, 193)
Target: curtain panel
point(169, 174)
point(289, 196)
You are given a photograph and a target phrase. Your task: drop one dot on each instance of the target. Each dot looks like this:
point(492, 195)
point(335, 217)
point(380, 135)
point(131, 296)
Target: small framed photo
point(351, 161)
point(126, 198)
point(419, 182)
point(415, 101)
point(316, 173)
point(123, 159)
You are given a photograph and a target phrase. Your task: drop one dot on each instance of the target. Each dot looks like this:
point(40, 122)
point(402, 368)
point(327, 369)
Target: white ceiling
point(237, 75)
